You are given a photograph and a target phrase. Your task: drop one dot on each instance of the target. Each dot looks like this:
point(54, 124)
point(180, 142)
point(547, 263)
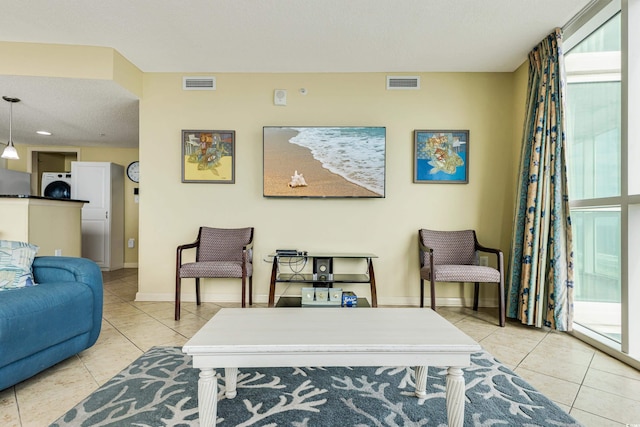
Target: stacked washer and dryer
point(56, 185)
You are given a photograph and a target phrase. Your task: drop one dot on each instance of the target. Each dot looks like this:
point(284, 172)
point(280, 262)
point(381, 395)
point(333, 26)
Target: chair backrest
point(222, 244)
point(450, 247)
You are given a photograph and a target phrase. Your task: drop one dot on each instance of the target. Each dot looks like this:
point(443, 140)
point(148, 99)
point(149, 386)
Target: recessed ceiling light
point(43, 132)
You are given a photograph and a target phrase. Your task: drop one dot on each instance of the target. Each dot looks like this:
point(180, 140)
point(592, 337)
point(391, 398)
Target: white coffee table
point(282, 337)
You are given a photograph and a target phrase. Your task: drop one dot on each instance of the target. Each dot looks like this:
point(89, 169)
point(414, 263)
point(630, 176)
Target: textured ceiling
point(207, 36)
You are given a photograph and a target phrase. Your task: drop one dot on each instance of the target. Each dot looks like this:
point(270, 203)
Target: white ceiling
point(209, 36)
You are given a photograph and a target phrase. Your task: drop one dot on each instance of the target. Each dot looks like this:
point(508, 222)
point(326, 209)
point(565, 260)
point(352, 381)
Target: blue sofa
point(45, 324)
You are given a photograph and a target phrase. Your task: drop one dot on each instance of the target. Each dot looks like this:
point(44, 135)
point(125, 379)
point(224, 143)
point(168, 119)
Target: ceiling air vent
point(403, 82)
point(198, 83)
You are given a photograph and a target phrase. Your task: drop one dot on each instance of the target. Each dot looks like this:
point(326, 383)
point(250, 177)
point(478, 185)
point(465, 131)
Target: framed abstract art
point(208, 156)
point(441, 156)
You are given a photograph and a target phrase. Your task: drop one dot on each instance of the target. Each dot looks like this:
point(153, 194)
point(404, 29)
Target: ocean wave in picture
point(355, 153)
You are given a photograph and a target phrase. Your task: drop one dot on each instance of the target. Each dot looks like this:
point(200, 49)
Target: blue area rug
point(160, 389)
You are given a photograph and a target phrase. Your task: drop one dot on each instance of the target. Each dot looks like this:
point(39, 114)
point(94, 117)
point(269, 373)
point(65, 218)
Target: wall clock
point(133, 171)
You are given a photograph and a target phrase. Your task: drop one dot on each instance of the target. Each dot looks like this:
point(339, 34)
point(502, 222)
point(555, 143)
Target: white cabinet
point(102, 185)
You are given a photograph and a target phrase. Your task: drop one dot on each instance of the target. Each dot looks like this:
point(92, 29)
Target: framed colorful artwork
point(208, 156)
point(441, 156)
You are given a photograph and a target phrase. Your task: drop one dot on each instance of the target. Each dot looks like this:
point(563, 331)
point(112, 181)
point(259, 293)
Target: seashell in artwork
point(297, 180)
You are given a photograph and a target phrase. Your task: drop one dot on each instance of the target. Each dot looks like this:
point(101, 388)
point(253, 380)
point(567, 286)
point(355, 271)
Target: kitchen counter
point(54, 225)
point(27, 196)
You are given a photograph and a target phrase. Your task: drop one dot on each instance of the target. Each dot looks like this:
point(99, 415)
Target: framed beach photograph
point(324, 161)
point(208, 156)
point(441, 156)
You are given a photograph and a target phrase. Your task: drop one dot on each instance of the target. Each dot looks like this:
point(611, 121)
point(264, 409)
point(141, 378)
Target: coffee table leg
point(230, 381)
point(455, 397)
point(207, 397)
point(421, 381)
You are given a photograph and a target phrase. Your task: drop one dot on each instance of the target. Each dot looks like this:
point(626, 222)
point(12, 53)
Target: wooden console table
point(278, 276)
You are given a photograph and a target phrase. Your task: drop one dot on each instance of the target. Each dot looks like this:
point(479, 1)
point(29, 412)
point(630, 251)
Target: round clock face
point(133, 171)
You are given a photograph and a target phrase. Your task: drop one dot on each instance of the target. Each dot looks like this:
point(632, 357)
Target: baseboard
point(146, 296)
point(264, 299)
point(130, 265)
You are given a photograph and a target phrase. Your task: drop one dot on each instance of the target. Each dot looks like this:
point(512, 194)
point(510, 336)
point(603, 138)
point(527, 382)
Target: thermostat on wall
point(280, 97)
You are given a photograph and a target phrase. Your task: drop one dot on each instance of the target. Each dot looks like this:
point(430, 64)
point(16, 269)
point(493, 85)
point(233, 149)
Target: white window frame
point(597, 67)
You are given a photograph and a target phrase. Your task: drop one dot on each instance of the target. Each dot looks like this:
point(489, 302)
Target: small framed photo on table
point(208, 156)
point(441, 156)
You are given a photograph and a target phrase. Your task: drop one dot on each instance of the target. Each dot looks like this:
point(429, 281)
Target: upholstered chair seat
point(214, 269)
point(461, 273)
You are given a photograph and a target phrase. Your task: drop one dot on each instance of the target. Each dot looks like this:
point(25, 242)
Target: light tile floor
point(596, 389)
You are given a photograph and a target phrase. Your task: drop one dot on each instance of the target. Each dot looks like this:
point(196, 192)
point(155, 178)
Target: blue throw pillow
point(15, 264)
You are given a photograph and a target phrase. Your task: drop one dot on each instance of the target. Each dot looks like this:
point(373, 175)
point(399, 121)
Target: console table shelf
point(337, 278)
point(297, 302)
point(295, 277)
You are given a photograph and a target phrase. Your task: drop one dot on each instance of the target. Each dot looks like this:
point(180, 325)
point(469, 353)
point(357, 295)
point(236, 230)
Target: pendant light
point(10, 151)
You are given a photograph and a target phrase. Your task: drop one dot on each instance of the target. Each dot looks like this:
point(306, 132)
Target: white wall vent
point(199, 83)
point(403, 82)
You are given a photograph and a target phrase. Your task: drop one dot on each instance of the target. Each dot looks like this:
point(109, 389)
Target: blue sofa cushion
point(37, 317)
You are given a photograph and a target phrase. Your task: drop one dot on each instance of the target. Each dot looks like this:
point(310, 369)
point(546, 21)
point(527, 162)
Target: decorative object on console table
point(441, 156)
point(323, 269)
point(208, 156)
point(349, 299)
point(321, 297)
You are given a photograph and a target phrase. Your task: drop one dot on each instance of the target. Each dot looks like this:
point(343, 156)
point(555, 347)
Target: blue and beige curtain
point(541, 266)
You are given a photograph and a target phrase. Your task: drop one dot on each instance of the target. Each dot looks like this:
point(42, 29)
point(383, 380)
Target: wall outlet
point(131, 243)
point(484, 261)
point(57, 252)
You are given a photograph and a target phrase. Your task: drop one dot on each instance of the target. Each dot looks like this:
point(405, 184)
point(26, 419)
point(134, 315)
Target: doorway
point(44, 159)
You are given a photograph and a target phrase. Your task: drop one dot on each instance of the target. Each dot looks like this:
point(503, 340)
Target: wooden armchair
point(220, 253)
point(451, 256)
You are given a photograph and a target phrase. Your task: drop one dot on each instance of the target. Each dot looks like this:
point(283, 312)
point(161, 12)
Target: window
point(594, 154)
point(603, 138)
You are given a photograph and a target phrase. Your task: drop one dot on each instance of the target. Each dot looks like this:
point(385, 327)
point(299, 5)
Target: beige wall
point(489, 105)
point(84, 62)
point(171, 212)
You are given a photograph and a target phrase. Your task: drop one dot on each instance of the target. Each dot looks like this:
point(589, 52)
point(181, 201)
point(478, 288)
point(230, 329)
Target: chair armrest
point(481, 248)
point(247, 252)
point(50, 269)
point(424, 249)
point(497, 252)
point(183, 247)
point(189, 245)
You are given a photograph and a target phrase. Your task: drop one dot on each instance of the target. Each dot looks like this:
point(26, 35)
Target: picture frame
point(208, 156)
point(441, 157)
